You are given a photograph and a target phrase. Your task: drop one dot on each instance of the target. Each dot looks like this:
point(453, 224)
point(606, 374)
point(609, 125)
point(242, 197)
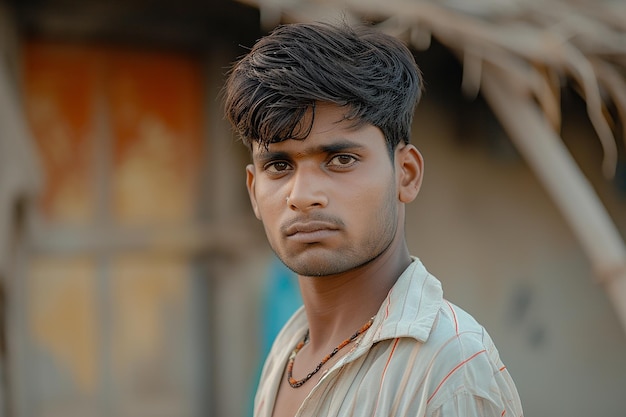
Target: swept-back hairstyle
point(373, 75)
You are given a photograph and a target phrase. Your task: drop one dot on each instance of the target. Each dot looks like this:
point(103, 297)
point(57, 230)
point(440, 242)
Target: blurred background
point(135, 280)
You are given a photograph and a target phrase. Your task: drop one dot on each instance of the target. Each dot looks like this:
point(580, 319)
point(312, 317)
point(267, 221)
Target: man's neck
point(338, 305)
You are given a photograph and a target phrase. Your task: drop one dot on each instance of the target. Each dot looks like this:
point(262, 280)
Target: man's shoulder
point(460, 346)
point(456, 329)
point(465, 362)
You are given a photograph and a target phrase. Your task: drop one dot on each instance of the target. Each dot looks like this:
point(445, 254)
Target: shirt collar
point(410, 308)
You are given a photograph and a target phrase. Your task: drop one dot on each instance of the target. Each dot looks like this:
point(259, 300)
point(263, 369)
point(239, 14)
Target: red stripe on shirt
point(382, 379)
point(453, 371)
point(456, 323)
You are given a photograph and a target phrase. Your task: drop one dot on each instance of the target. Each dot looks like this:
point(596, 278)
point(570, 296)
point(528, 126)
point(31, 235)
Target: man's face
point(329, 203)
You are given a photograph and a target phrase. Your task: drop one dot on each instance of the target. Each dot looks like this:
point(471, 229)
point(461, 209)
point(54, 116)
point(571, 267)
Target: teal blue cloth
point(280, 300)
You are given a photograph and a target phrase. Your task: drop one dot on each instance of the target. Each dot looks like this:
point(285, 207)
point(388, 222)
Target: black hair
point(286, 73)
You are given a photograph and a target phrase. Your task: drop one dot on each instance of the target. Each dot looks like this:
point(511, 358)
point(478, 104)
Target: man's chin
point(321, 264)
point(312, 266)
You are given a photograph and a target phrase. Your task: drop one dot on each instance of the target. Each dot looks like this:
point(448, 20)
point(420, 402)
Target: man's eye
point(277, 167)
point(342, 160)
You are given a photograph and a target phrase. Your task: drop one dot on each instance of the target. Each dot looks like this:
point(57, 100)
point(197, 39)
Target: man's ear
point(251, 191)
point(410, 171)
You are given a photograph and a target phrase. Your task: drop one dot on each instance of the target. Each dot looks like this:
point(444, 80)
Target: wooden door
point(110, 323)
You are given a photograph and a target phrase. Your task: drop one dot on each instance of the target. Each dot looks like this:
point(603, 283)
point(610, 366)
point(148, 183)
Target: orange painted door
point(110, 322)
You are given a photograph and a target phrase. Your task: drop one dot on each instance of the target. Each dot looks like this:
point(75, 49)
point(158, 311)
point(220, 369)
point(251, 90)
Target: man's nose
point(308, 190)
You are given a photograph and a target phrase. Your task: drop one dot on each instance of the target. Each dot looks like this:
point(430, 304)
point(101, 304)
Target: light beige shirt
point(422, 356)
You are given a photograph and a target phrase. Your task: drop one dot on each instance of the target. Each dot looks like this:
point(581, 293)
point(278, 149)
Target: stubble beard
point(351, 256)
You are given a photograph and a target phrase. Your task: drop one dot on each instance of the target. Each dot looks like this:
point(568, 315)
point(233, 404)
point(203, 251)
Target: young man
point(326, 112)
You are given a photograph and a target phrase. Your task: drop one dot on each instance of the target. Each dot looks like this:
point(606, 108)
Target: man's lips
point(314, 227)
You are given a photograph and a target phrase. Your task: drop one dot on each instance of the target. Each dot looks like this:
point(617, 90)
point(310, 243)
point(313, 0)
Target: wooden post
point(562, 178)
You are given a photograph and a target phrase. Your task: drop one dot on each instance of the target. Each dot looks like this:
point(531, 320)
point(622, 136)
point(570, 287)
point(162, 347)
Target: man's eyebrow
point(330, 148)
point(266, 156)
point(339, 146)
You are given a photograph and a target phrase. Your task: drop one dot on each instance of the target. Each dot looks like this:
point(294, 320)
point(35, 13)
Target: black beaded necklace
point(292, 358)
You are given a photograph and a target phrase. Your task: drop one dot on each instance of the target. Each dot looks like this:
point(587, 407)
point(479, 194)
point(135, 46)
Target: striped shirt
point(422, 356)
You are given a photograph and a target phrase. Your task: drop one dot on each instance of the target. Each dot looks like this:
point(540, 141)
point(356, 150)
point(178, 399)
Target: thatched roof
point(520, 54)
point(540, 45)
